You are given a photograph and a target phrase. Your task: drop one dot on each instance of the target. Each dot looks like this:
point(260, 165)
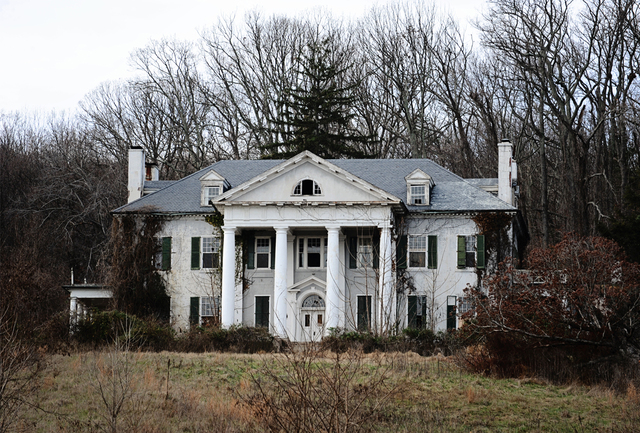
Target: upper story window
point(210, 192)
point(471, 252)
point(365, 251)
point(205, 252)
point(312, 252)
point(423, 251)
point(307, 187)
point(211, 186)
point(418, 195)
point(418, 188)
point(263, 252)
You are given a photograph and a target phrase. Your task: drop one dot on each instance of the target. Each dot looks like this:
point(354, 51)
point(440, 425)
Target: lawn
point(219, 392)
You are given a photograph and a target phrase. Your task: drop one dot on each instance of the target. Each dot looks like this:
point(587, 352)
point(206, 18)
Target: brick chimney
point(136, 173)
point(507, 172)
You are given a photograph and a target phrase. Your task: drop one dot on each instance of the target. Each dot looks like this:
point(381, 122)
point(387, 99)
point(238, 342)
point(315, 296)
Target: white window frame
point(423, 196)
point(297, 190)
point(413, 248)
point(268, 252)
point(361, 262)
point(209, 192)
point(209, 305)
point(303, 252)
point(213, 248)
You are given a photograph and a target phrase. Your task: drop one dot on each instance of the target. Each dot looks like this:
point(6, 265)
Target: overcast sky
point(52, 53)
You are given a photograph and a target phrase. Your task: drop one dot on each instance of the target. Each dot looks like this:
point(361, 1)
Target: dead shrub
point(301, 390)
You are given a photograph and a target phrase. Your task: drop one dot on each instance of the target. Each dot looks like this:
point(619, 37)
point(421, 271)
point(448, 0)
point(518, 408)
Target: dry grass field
point(218, 392)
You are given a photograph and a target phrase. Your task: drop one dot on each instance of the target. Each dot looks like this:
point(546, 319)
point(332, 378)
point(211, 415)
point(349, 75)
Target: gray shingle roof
point(451, 193)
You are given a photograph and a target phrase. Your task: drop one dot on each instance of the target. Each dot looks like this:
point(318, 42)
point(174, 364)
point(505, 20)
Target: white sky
point(52, 53)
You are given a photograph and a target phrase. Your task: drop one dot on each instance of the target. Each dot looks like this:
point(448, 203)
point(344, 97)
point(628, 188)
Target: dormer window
point(418, 195)
point(307, 187)
point(210, 192)
point(419, 186)
point(211, 186)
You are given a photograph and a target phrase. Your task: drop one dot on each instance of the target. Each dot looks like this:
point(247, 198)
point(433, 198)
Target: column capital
point(385, 225)
point(332, 228)
point(280, 229)
point(231, 229)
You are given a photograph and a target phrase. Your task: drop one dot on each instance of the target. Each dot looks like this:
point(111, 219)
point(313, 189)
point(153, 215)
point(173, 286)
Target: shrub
point(102, 328)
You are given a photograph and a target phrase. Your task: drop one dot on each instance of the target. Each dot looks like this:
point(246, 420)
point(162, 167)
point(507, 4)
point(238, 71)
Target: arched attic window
point(307, 187)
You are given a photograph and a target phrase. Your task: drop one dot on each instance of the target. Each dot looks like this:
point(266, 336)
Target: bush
point(238, 339)
point(102, 328)
point(421, 341)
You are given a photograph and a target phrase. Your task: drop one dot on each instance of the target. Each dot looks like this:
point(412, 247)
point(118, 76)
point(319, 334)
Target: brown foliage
point(577, 306)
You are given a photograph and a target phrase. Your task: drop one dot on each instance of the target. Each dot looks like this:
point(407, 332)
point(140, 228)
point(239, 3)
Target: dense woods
point(558, 78)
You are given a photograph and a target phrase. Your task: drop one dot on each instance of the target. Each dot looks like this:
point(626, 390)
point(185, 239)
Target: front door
point(312, 318)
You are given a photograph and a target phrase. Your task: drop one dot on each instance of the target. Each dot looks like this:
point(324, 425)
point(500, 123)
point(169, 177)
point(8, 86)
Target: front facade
point(307, 245)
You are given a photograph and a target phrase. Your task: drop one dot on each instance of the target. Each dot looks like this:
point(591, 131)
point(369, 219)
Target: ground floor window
point(262, 311)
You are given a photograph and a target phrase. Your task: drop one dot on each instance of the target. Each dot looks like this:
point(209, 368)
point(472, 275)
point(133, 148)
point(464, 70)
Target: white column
point(280, 283)
point(73, 307)
point(387, 310)
point(334, 306)
point(227, 303)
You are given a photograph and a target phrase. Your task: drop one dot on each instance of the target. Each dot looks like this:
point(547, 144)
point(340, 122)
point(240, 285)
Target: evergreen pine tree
point(319, 112)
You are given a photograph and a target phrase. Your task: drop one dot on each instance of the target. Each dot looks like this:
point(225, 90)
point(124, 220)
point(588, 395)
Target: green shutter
point(451, 317)
point(262, 311)
point(412, 311)
point(432, 258)
point(480, 253)
point(195, 253)
point(194, 314)
point(353, 252)
point(462, 252)
point(376, 250)
point(166, 254)
point(273, 253)
point(401, 252)
point(364, 313)
point(250, 243)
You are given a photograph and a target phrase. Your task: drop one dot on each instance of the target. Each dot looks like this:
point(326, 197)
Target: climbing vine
point(137, 285)
point(495, 228)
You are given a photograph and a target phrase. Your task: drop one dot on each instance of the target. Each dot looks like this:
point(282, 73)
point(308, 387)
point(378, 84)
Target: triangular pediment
point(419, 176)
point(314, 281)
point(307, 178)
point(211, 175)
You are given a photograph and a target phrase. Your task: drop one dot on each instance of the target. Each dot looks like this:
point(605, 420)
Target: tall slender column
point(280, 283)
point(334, 307)
point(227, 303)
point(387, 310)
point(73, 311)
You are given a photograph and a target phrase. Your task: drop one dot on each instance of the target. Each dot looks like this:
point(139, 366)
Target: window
point(263, 252)
point(205, 252)
point(209, 193)
point(365, 251)
point(262, 311)
point(417, 312)
point(421, 251)
point(471, 252)
point(162, 259)
point(313, 301)
point(310, 252)
point(418, 194)
point(210, 252)
point(363, 316)
point(210, 310)
point(464, 304)
point(307, 187)
point(417, 251)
